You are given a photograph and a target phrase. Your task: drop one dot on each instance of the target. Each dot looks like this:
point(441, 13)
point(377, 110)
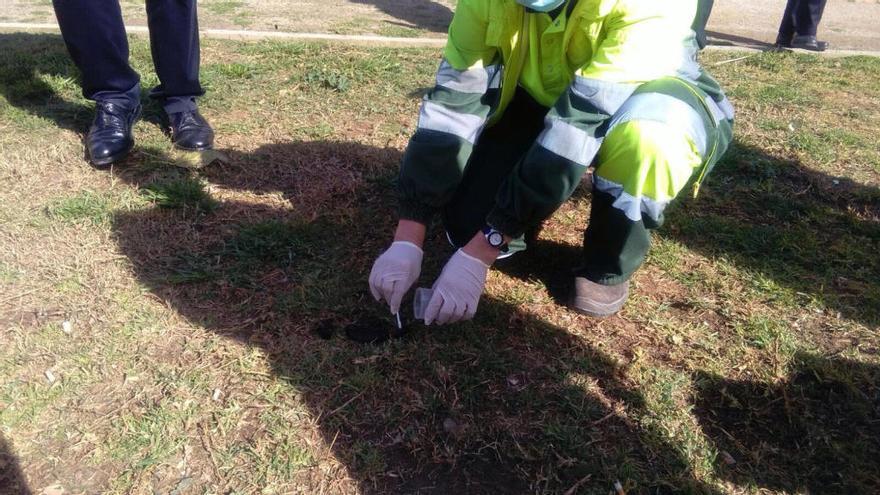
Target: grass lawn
point(747, 361)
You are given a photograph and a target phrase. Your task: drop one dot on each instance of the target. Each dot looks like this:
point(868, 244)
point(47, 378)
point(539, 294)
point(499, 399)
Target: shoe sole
point(202, 148)
point(599, 310)
point(102, 163)
point(597, 314)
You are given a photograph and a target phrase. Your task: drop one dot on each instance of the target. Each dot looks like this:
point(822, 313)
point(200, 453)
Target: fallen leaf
point(451, 426)
point(727, 458)
point(182, 486)
point(53, 490)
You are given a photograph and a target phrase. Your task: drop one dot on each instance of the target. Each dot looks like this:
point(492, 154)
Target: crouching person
point(528, 96)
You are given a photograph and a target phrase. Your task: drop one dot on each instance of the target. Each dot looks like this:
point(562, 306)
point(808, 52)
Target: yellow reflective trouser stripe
point(727, 110)
point(644, 164)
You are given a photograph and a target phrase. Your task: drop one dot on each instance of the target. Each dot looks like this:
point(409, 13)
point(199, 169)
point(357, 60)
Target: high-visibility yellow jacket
point(584, 64)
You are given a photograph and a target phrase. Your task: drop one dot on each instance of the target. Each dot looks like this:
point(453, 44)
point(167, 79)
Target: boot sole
point(608, 310)
point(595, 309)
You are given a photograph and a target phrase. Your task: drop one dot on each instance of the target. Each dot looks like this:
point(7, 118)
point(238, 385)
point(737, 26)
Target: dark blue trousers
point(801, 17)
point(95, 37)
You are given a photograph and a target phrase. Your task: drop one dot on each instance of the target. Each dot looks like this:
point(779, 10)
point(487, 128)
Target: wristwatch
point(495, 238)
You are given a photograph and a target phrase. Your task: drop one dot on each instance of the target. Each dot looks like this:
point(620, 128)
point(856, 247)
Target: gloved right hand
point(394, 272)
point(457, 291)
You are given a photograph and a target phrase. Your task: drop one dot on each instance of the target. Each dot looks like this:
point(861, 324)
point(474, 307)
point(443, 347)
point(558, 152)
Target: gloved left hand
point(457, 291)
point(395, 272)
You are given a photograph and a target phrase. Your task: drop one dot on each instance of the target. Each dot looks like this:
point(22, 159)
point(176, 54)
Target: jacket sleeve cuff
point(505, 223)
point(415, 211)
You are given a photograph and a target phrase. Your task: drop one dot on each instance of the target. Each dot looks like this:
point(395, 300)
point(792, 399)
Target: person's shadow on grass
point(493, 406)
point(32, 69)
point(12, 481)
point(419, 14)
point(506, 404)
point(815, 431)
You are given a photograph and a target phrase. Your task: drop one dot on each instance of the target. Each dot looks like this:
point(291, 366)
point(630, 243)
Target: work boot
point(109, 139)
point(598, 300)
point(190, 131)
point(809, 43)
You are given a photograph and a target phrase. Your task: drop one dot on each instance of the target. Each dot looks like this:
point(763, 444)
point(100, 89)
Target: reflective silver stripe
point(690, 69)
point(606, 96)
point(476, 80)
point(437, 117)
point(631, 206)
point(496, 76)
point(727, 108)
point(665, 109)
point(568, 141)
point(722, 110)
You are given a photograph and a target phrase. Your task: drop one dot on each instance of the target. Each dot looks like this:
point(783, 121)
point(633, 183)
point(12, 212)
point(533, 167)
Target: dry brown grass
point(171, 305)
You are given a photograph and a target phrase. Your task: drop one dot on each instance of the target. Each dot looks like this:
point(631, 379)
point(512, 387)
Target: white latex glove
point(394, 272)
point(457, 291)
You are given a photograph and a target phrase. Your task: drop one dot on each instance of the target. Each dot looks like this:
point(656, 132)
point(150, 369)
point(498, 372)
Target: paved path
point(377, 40)
point(847, 24)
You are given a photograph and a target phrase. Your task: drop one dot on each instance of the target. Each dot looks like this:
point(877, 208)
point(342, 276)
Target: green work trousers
point(643, 163)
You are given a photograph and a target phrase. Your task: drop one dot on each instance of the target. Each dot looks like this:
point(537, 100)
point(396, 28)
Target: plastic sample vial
point(420, 302)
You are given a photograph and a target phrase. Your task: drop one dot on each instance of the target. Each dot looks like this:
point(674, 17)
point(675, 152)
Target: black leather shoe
point(781, 44)
point(809, 43)
point(109, 139)
point(190, 131)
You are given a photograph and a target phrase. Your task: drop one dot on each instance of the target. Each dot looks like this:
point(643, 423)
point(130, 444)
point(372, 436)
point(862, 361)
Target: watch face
point(496, 239)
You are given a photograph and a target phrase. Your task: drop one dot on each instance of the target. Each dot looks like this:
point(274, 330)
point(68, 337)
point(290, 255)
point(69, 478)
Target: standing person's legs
point(820, 11)
point(806, 22)
point(657, 140)
point(95, 37)
point(174, 43)
point(497, 151)
point(786, 26)
point(808, 16)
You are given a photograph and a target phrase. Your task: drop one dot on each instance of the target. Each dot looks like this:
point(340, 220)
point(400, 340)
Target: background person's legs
point(799, 25)
point(786, 26)
point(808, 16)
point(497, 151)
point(174, 42)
